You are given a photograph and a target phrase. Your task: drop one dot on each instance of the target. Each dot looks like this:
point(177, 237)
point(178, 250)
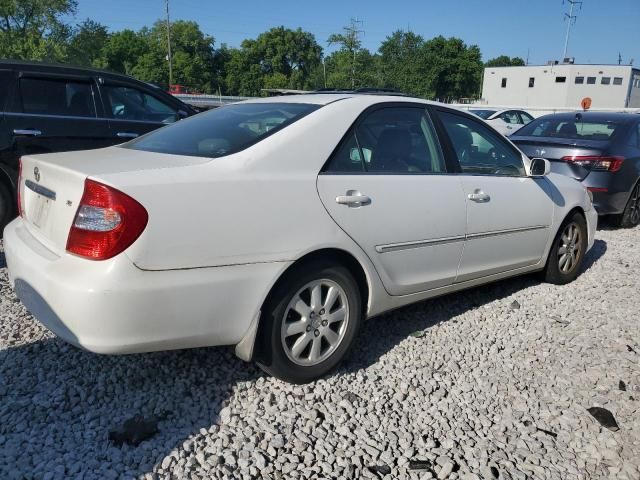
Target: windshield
point(222, 131)
point(570, 128)
point(484, 114)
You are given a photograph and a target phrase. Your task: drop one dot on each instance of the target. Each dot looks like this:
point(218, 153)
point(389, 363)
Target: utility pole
point(619, 58)
point(571, 20)
point(166, 3)
point(353, 37)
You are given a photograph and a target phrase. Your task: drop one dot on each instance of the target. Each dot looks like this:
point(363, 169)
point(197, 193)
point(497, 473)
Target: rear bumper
point(114, 307)
point(610, 191)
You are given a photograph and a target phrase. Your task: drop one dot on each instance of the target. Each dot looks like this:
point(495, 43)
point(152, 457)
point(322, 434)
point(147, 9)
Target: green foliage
point(505, 61)
point(278, 58)
point(33, 29)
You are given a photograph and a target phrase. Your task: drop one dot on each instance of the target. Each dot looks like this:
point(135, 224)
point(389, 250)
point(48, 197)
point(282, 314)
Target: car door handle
point(479, 197)
point(27, 132)
point(353, 198)
point(127, 134)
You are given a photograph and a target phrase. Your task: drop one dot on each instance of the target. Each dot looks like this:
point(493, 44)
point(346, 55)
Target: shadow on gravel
point(3, 260)
point(381, 334)
point(58, 403)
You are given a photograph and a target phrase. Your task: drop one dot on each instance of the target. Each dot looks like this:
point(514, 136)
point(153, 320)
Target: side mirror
point(539, 167)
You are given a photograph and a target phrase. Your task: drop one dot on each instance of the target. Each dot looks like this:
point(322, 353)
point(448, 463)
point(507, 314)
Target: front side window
point(5, 78)
point(44, 96)
point(127, 103)
point(479, 150)
point(222, 131)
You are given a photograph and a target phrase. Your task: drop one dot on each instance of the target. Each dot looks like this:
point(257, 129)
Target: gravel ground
point(490, 383)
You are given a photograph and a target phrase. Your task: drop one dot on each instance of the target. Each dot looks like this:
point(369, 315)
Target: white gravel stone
point(486, 390)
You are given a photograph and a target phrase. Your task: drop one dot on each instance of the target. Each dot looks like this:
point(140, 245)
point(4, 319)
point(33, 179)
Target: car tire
point(301, 337)
point(567, 251)
point(630, 217)
point(6, 207)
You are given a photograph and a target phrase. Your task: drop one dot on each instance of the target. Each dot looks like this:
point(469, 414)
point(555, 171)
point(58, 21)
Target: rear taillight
point(107, 222)
point(19, 189)
point(596, 162)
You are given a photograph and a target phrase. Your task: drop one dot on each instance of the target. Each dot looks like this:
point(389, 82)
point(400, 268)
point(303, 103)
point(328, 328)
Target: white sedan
point(279, 225)
point(506, 122)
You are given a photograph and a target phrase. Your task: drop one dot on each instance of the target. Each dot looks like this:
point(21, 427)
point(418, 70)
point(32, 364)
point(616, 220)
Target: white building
point(562, 86)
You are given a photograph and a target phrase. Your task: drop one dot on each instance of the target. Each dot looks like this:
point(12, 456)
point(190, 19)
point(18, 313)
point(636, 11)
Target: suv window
point(128, 103)
point(46, 96)
point(222, 131)
point(526, 118)
point(479, 150)
point(392, 140)
point(5, 78)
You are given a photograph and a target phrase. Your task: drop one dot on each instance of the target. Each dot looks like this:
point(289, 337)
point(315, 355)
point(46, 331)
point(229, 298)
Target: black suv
point(55, 108)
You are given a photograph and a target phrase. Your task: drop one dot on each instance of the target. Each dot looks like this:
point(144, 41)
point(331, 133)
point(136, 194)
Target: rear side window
point(569, 128)
point(127, 103)
point(57, 97)
point(390, 140)
point(222, 131)
point(5, 79)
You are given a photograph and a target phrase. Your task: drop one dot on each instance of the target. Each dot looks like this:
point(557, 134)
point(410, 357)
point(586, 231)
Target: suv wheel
point(6, 207)
point(310, 322)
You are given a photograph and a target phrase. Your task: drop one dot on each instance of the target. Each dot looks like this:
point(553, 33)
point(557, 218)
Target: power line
point(570, 18)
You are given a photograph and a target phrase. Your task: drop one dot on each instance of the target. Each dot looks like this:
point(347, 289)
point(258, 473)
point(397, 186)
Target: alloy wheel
point(315, 322)
point(570, 248)
point(634, 206)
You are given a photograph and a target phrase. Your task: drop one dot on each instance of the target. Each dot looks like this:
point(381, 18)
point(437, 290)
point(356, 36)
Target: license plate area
point(38, 201)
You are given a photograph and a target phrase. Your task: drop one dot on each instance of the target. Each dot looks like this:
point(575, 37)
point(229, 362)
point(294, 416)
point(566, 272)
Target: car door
point(134, 111)
point(387, 186)
point(55, 113)
point(509, 214)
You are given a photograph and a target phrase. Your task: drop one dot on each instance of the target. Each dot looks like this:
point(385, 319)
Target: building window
point(617, 80)
point(561, 79)
point(532, 82)
point(504, 83)
point(579, 80)
point(591, 80)
point(605, 80)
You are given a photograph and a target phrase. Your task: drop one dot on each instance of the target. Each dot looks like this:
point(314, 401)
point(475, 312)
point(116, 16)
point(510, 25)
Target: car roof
point(69, 69)
point(325, 98)
point(593, 116)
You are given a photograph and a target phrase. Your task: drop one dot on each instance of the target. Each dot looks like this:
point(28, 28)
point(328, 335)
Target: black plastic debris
point(421, 465)
point(547, 432)
point(630, 349)
point(515, 305)
point(134, 431)
point(622, 386)
point(605, 417)
point(380, 469)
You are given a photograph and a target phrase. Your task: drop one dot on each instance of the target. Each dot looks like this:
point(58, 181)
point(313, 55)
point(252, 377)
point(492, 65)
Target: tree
point(454, 69)
point(505, 61)
point(33, 29)
point(123, 50)
point(278, 58)
point(86, 47)
point(403, 65)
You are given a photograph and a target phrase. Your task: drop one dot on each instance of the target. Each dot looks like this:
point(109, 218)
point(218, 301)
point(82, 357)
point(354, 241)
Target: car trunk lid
point(51, 185)
point(557, 148)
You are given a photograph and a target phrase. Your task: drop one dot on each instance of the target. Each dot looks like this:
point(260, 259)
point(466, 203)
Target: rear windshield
point(578, 128)
point(222, 131)
point(483, 113)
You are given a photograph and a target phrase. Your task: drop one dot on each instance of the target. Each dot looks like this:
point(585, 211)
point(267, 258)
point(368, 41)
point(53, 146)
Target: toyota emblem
point(36, 174)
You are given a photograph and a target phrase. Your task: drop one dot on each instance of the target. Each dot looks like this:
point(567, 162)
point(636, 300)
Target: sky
point(534, 28)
